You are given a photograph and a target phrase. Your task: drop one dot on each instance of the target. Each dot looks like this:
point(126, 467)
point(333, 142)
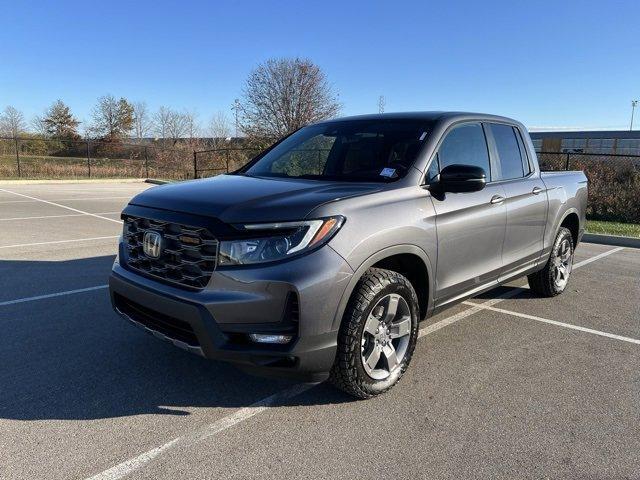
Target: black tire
point(543, 283)
point(348, 372)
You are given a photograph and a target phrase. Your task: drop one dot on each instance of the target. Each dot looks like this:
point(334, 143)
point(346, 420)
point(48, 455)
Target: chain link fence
point(39, 158)
point(614, 182)
point(208, 163)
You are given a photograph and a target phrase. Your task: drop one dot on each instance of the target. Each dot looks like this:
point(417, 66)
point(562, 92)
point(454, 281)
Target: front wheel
point(378, 334)
point(554, 277)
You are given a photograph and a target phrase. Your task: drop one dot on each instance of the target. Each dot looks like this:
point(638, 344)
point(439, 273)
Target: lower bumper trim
point(184, 346)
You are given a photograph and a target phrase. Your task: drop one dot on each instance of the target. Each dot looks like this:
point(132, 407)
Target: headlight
point(276, 241)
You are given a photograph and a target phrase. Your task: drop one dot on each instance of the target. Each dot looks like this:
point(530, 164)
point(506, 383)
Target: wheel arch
point(571, 221)
point(409, 260)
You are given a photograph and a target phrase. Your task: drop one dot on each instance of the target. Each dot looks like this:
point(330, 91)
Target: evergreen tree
point(59, 122)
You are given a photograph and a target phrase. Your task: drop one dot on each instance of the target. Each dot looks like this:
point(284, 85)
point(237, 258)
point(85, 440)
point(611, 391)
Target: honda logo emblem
point(152, 244)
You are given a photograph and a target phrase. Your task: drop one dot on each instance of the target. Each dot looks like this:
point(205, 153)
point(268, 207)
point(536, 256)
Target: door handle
point(497, 199)
point(537, 190)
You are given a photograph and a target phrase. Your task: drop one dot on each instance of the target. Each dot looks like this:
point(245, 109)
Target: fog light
point(268, 338)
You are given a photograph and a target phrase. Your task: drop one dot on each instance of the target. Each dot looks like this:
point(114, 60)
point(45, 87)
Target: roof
point(426, 116)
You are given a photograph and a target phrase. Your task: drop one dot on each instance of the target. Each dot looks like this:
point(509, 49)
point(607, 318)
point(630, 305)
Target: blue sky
point(547, 63)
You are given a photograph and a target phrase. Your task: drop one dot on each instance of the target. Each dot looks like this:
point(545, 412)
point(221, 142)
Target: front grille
point(170, 327)
point(188, 256)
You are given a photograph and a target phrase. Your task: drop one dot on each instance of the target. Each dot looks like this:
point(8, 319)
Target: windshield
point(378, 151)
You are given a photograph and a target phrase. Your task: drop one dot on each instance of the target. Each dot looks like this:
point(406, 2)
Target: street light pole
point(634, 104)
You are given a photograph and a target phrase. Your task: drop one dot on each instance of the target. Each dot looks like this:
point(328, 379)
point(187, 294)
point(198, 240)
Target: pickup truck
point(318, 259)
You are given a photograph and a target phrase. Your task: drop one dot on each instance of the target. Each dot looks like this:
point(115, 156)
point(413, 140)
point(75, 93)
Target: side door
point(470, 226)
point(526, 199)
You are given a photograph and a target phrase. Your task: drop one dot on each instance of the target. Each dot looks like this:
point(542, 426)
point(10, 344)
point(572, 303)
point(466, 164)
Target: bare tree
point(219, 130)
point(282, 95)
point(38, 125)
point(192, 126)
point(112, 118)
point(142, 123)
point(12, 122)
point(178, 126)
point(161, 120)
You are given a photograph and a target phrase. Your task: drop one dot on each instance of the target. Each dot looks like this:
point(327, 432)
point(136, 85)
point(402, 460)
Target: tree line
point(278, 97)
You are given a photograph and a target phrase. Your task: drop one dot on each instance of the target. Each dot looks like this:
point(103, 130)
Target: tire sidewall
point(371, 385)
point(562, 235)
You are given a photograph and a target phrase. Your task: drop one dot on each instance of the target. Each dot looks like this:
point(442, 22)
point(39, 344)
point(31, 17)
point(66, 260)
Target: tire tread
point(344, 375)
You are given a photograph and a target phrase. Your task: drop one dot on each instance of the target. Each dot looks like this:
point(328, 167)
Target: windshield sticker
point(388, 172)
point(423, 136)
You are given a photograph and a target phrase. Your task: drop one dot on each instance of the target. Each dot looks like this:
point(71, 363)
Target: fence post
point(567, 164)
point(88, 159)
point(146, 161)
point(195, 164)
point(227, 159)
point(15, 139)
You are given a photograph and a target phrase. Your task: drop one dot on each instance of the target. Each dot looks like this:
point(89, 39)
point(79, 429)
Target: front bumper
point(215, 322)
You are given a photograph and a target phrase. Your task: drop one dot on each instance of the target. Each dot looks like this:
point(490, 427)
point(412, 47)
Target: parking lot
point(503, 386)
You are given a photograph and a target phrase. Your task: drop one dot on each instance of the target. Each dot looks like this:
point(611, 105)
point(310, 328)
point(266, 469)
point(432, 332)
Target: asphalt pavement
point(503, 386)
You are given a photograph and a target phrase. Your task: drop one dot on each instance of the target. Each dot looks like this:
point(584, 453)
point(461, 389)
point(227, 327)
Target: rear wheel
point(554, 277)
point(378, 334)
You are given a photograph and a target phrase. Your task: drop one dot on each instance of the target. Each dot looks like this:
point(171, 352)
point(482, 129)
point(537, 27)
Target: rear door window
point(526, 163)
point(510, 160)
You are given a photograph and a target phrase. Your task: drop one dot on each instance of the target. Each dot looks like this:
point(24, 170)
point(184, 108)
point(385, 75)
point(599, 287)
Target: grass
point(47, 167)
point(614, 228)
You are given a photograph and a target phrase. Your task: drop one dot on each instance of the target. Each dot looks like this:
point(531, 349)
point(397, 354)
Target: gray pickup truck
point(318, 258)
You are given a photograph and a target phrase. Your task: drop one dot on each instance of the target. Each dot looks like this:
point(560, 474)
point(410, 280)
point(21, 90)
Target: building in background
point(621, 142)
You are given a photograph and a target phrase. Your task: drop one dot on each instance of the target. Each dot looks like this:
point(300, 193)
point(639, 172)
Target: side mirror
point(461, 178)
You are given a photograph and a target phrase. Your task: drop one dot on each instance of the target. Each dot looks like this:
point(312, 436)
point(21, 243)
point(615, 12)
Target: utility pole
point(236, 109)
point(381, 103)
point(634, 104)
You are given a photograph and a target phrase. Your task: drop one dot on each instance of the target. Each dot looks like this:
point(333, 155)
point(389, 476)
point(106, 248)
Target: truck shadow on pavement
point(72, 358)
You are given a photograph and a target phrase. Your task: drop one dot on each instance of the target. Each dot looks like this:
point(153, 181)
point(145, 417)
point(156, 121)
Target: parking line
point(554, 322)
point(476, 307)
point(597, 257)
point(60, 205)
point(52, 295)
point(129, 466)
point(59, 241)
point(55, 216)
point(64, 199)
point(125, 468)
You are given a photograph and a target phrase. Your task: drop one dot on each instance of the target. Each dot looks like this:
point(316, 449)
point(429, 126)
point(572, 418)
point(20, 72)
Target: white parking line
point(554, 322)
point(59, 241)
point(476, 307)
point(56, 216)
point(60, 205)
point(125, 468)
point(65, 199)
point(52, 295)
point(597, 257)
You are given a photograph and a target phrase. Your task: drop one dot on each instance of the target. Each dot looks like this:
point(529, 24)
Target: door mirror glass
point(461, 178)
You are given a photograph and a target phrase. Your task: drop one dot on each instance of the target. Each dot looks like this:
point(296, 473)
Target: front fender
point(372, 260)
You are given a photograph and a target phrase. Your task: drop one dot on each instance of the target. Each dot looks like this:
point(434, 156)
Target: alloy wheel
point(386, 336)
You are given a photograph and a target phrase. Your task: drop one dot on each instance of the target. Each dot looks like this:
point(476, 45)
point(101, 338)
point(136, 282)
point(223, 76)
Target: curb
point(79, 180)
point(155, 181)
point(615, 240)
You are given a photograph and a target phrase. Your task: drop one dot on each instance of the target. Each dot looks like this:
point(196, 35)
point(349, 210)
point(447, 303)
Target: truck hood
point(238, 198)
